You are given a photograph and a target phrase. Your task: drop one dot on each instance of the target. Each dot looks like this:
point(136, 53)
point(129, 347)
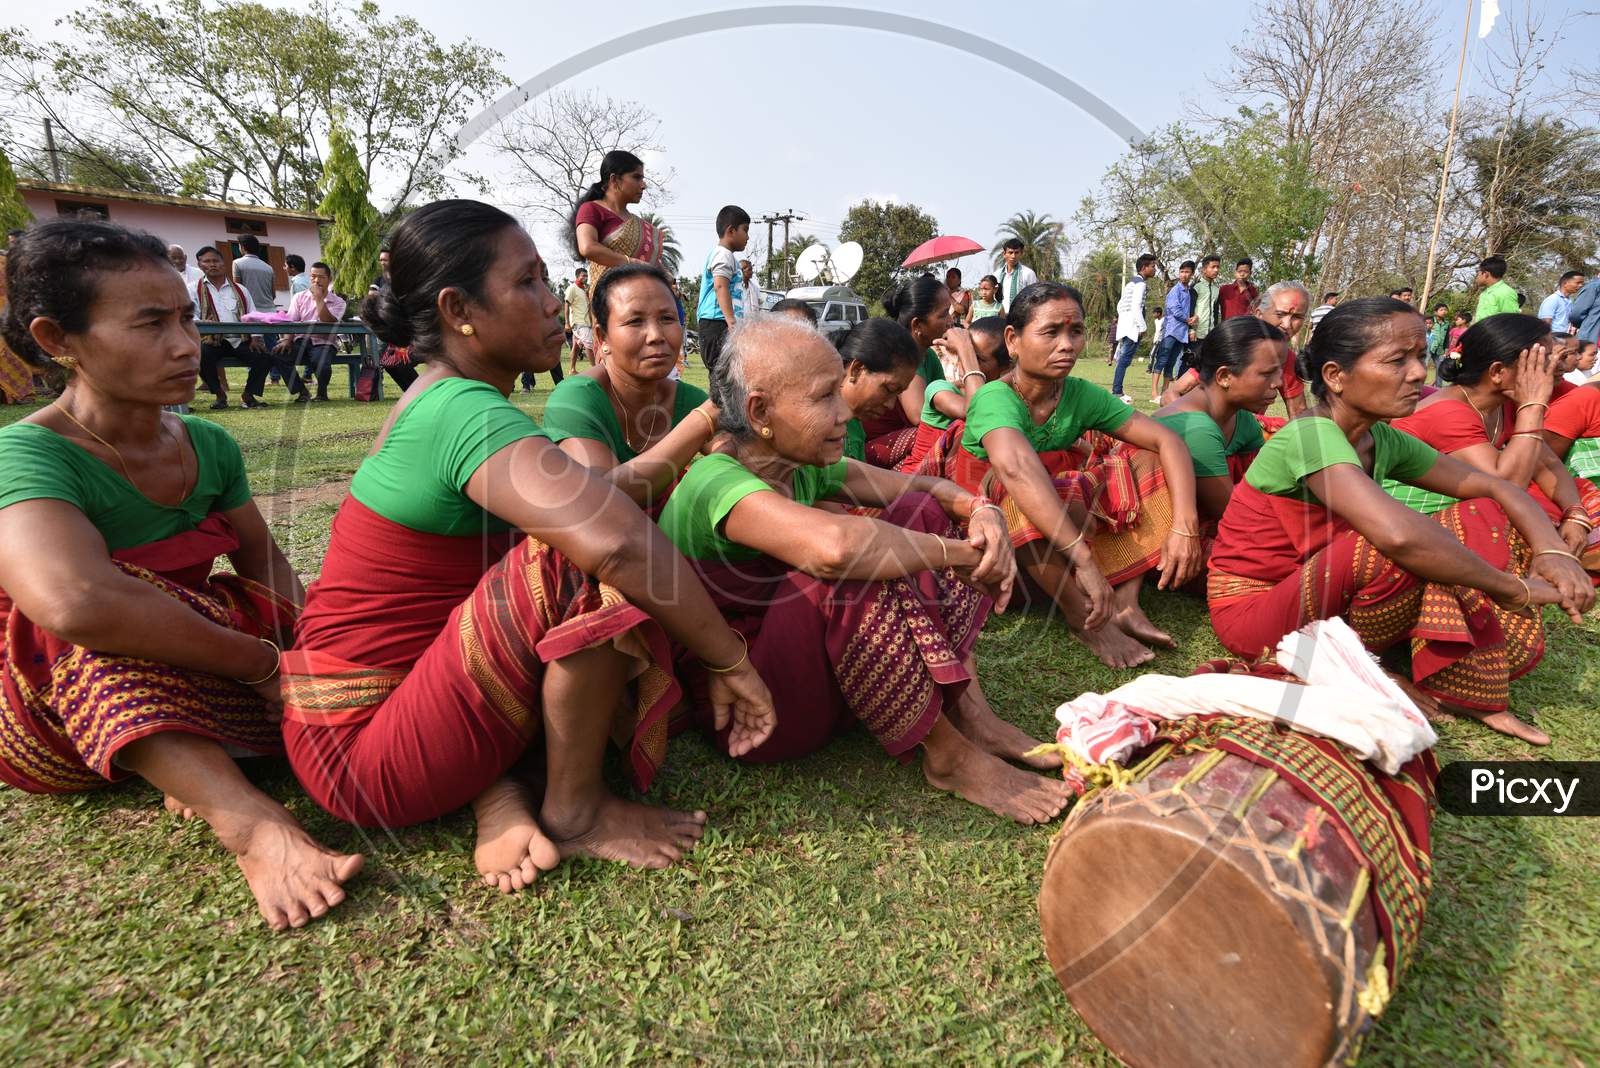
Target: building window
point(244, 226)
point(82, 207)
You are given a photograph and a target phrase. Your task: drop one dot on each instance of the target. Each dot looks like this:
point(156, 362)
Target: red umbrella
point(941, 248)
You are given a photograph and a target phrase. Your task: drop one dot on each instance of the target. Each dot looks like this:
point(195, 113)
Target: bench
point(352, 362)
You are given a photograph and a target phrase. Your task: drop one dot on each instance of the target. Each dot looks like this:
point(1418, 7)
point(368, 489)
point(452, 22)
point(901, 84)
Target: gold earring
point(766, 431)
point(467, 330)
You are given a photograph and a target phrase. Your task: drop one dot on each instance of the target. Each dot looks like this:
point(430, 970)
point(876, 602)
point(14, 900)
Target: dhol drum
point(1210, 913)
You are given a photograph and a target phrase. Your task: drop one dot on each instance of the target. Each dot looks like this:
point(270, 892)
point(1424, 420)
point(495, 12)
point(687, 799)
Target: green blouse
point(930, 369)
point(580, 407)
point(1204, 437)
point(932, 416)
point(693, 517)
point(418, 477)
point(1312, 443)
point(1083, 406)
point(40, 464)
point(855, 440)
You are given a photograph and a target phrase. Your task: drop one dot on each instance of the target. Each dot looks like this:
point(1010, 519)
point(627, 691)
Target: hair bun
point(892, 300)
point(384, 316)
point(1450, 367)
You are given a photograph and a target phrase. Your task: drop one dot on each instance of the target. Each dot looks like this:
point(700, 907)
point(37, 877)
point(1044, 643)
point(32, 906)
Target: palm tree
point(1099, 279)
point(1041, 243)
point(671, 254)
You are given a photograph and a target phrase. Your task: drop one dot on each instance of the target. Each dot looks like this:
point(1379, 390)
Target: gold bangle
point(1071, 545)
point(711, 423)
point(276, 665)
point(1527, 593)
point(969, 374)
point(1559, 552)
point(1529, 434)
point(1185, 533)
point(737, 664)
point(1531, 404)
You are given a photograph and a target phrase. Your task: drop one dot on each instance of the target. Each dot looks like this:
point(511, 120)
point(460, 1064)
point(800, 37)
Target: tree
point(782, 263)
point(1536, 185)
point(14, 214)
point(671, 253)
point(143, 79)
point(1099, 279)
point(352, 242)
point(1041, 243)
point(887, 233)
point(557, 143)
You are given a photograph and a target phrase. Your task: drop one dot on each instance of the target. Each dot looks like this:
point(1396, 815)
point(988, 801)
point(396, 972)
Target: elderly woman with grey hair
point(1284, 305)
point(848, 617)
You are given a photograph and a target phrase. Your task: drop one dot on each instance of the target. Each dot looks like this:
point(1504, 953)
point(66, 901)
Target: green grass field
point(839, 910)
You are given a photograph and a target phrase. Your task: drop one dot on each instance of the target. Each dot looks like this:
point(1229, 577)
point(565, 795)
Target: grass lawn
point(838, 911)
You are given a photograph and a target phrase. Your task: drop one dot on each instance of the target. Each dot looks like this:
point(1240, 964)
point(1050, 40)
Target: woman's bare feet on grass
point(973, 717)
point(177, 808)
point(1134, 623)
point(609, 828)
point(293, 877)
point(1504, 722)
point(1114, 647)
point(953, 763)
point(1131, 618)
point(512, 848)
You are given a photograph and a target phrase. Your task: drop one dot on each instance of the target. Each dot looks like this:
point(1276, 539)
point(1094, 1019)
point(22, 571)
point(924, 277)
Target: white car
point(837, 307)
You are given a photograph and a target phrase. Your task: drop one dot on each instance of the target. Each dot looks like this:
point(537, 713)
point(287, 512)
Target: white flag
point(1486, 16)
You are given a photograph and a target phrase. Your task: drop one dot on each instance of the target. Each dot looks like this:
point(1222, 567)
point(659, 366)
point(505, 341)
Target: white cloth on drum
point(1346, 697)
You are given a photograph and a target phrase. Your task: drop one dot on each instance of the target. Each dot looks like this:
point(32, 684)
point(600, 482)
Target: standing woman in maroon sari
point(604, 232)
point(124, 655)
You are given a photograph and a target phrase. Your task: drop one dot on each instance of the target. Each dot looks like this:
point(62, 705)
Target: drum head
point(1173, 953)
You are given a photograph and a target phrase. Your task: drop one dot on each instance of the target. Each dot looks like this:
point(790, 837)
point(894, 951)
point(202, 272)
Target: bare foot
point(1504, 722)
point(294, 879)
point(1114, 647)
point(973, 717)
point(952, 762)
point(1137, 625)
point(645, 836)
point(177, 808)
point(512, 848)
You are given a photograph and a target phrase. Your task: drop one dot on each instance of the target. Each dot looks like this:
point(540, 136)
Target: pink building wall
point(190, 227)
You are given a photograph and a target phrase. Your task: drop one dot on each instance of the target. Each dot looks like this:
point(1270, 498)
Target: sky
point(815, 118)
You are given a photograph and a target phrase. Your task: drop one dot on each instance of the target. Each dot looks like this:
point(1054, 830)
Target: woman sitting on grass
point(982, 354)
point(922, 306)
point(1089, 518)
point(1240, 370)
point(1491, 416)
point(850, 619)
point(475, 597)
point(880, 360)
point(1310, 533)
point(124, 654)
point(626, 418)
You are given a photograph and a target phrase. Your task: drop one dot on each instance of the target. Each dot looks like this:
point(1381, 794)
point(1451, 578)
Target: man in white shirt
point(219, 299)
point(1130, 320)
point(317, 303)
point(752, 289)
point(180, 262)
point(1015, 276)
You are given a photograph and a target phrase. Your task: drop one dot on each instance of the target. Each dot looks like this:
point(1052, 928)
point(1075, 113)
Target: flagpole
point(1449, 146)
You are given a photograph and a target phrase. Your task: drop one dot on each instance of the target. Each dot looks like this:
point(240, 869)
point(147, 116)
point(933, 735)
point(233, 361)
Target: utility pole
point(785, 217)
point(50, 150)
point(769, 220)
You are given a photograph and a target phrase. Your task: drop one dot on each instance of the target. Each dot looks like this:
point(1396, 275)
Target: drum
point(1208, 912)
